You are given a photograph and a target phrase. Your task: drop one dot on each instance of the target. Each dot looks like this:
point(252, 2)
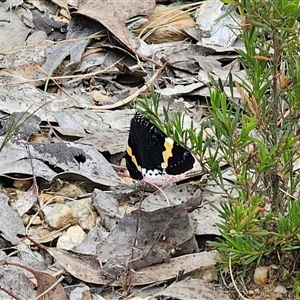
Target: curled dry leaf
point(25, 167)
point(192, 289)
point(82, 266)
point(196, 262)
point(114, 14)
point(81, 160)
point(75, 161)
point(166, 25)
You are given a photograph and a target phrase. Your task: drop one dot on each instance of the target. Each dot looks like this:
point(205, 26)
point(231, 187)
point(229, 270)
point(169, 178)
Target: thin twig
point(10, 293)
point(234, 283)
point(35, 185)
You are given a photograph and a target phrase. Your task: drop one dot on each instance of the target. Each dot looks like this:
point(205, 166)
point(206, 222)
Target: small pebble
point(280, 289)
point(72, 238)
point(250, 292)
point(256, 291)
point(261, 275)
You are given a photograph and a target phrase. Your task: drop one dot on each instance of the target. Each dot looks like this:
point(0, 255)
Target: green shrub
point(258, 139)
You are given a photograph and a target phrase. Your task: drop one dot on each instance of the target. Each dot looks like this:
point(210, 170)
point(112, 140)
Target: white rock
point(60, 215)
point(83, 209)
point(73, 237)
point(280, 289)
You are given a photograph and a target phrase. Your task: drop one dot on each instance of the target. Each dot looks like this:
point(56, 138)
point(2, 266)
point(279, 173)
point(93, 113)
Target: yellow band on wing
point(168, 152)
point(133, 158)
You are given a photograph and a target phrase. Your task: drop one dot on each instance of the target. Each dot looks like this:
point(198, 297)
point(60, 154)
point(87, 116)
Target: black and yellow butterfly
point(151, 153)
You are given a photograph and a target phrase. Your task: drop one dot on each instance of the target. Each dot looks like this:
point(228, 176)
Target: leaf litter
point(62, 170)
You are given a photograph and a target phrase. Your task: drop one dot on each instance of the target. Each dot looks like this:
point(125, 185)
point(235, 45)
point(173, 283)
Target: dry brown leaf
point(78, 161)
point(166, 24)
point(114, 14)
point(147, 238)
point(192, 289)
point(88, 268)
point(45, 281)
point(190, 263)
point(83, 266)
